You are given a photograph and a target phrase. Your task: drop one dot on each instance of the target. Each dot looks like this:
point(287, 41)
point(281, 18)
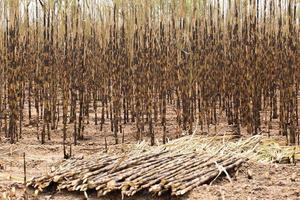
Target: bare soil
point(252, 181)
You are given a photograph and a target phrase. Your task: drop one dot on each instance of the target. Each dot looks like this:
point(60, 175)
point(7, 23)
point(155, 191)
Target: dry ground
point(270, 181)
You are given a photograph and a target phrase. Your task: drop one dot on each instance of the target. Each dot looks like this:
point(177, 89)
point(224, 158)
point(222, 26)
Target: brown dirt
point(269, 181)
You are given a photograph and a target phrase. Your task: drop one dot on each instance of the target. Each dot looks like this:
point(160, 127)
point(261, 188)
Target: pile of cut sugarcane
point(176, 167)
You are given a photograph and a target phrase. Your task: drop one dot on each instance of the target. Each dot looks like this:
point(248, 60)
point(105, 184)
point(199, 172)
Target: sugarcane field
point(149, 99)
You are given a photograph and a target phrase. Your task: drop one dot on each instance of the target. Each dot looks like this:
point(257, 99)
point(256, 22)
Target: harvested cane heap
point(178, 167)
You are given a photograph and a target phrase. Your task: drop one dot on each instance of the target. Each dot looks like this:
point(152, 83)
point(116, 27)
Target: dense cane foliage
point(129, 61)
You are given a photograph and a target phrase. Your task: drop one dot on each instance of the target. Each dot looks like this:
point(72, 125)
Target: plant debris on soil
point(176, 167)
point(272, 166)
